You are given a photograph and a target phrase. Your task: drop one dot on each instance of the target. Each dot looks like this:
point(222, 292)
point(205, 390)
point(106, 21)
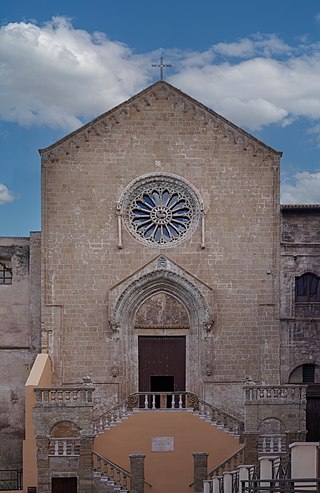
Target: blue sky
point(63, 63)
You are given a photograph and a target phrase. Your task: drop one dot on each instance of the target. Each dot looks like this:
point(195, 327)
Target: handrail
point(116, 466)
point(112, 464)
point(239, 454)
point(167, 400)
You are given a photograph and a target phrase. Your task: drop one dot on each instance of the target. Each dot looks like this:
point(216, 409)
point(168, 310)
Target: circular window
point(160, 209)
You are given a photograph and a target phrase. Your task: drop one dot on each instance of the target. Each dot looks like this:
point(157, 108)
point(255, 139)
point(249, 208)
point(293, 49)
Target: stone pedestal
point(137, 472)
point(304, 459)
point(200, 470)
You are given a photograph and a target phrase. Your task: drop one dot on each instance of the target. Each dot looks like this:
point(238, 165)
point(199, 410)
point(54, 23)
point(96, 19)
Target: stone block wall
point(19, 340)
point(300, 254)
point(84, 175)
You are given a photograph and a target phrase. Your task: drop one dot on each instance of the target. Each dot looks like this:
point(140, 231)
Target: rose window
point(161, 216)
point(160, 210)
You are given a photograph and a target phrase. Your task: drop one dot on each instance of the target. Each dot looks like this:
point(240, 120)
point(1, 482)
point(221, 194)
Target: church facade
point(166, 277)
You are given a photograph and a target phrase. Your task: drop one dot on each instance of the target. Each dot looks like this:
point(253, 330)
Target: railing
point(167, 400)
point(272, 444)
point(10, 479)
point(296, 393)
point(307, 310)
point(281, 467)
point(64, 447)
point(229, 481)
point(221, 418)
point(109, 471)
point(70, 397)
point(281, 485)
point(230, 464)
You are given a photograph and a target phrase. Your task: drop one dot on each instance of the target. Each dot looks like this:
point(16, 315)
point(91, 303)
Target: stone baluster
point(180, 401)
point(173, 401)
point(64, 447)
point(46, 397)
point(264, 444)
point(124, 481)
point(146, 404)
point(56, 447)
point(153, 401)
point(99, 464)
point(272, 450)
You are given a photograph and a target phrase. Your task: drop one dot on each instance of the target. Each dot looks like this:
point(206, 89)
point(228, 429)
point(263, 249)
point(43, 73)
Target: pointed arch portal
point(164, 316)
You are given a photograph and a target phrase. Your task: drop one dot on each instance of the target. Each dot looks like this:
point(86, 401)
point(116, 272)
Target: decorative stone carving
point(160, 209)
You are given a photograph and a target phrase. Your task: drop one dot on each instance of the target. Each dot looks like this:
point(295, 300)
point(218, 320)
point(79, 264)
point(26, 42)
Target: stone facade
point(19, 339)
point(214, 272)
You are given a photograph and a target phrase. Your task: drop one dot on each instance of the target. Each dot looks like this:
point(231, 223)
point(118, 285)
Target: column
point(200, 460)
point(137, 472)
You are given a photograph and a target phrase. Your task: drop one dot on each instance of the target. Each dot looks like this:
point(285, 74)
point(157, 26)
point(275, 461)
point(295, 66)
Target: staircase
point(109, 477)
point(169, 401)
point(167, 428)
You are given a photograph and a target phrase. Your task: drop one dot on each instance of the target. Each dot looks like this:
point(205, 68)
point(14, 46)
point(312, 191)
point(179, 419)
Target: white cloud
point(60, 76)
point(260, 45)
point(5, 194)
point(55, 74)
point(305, 189)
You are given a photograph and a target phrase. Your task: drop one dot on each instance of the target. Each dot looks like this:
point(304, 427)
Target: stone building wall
point(19, 340)
point(84, 175)
point(300, 254)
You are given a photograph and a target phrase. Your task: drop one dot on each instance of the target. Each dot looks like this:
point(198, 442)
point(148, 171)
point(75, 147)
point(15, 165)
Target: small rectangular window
point(5, 272)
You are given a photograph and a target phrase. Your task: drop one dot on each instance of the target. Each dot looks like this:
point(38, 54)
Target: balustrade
point(292, 393)
point(272, 444)
point(64, 447)
point(110, 472)
point(75, 396)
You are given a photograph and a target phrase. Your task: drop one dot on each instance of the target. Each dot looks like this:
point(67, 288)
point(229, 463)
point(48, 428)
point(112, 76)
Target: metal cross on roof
point(161, 65)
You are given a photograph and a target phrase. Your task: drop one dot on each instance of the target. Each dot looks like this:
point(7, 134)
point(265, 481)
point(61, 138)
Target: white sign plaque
point(162, 444)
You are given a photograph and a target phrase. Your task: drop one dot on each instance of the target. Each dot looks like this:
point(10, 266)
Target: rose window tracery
point(161, 209)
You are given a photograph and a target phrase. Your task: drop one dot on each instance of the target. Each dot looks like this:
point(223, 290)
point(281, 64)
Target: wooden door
point(64, 485)
point(162, 363)
point(313, 413)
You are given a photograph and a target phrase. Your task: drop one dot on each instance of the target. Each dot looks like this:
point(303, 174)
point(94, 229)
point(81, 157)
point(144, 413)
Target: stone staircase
point(144, 415)
point(174, 401)
point(108, 477)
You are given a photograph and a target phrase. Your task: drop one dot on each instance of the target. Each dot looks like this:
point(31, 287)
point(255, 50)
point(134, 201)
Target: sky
point(62, 63)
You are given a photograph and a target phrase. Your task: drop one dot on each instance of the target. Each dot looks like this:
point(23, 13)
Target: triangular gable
point(114, 116)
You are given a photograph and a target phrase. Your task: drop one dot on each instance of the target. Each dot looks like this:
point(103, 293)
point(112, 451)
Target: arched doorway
point(161, 353)
point(309, 374)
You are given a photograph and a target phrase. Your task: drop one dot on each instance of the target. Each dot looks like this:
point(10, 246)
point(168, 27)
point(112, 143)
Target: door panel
point(64, 485)
point(162, 357)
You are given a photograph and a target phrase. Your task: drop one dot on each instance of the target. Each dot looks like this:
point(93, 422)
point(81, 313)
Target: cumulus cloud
point(304, 190)
point(5, 194)
point(261, 44)
point(55, 74)
point(60, 76)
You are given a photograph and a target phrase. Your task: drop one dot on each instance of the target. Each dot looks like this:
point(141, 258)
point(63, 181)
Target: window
point(5, 272)
point(308, 371)
point(307, 288)
point(160, 209)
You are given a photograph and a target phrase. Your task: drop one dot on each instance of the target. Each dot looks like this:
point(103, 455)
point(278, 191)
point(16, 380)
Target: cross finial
point(161, 65)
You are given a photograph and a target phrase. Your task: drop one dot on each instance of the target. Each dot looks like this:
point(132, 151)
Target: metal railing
point(303, 485)
point(10, 479)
